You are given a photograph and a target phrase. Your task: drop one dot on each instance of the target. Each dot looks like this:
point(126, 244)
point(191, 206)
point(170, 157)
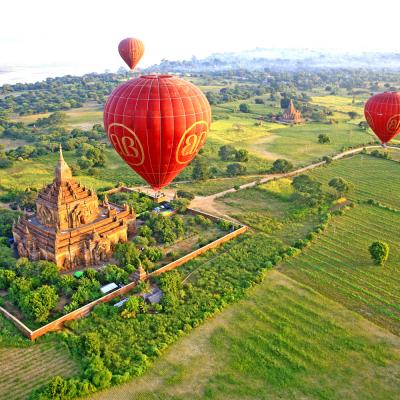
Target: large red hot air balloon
point(157, 124)
point(131, 50)
point(382, 112)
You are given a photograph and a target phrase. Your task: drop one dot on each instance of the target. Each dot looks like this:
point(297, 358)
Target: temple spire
point(63, 171)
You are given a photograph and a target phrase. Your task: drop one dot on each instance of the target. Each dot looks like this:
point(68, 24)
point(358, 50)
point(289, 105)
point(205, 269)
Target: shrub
point(185, 194)
point(379, 252)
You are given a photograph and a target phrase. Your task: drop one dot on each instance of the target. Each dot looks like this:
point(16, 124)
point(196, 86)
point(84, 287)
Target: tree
point(281, 166)
point(127, 253)
point(201, 171)
point(305, 184)
point(244, 108)
point(112, 273)
point(171, 285)
point(323, 138)
point(6, 277)
point(242, 155)
point(185, 194)
point(226, 152)
point(352, 114)
point(340, 185)
point(379, 252)
point(285, 102)
point(259, 101)
point(235, 169)
point(132, 307)
point(180, 205)
point(40, 302)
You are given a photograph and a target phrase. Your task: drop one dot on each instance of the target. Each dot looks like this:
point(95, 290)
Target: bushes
point(185, 194)
point(281, 166)
point(112, 273)
point(379, 252)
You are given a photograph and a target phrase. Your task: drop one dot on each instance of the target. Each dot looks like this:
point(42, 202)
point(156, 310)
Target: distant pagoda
point(291, 115)
point(69, 227)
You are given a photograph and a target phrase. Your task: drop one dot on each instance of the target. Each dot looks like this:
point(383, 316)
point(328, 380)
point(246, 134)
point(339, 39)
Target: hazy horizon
point(86, 34)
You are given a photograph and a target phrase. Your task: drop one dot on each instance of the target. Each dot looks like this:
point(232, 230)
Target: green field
point(271, 213)
point(372, 178)
point(338, 265)
point(83, 117)
point(284, 341)
point(26, 366)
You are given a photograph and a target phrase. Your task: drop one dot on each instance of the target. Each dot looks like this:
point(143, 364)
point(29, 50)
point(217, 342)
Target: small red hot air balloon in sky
point(382, 112)
point(131, 50)
point(157, 124)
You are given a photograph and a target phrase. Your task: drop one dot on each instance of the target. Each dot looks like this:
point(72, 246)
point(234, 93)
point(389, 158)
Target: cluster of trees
point(125, 346)
point(55, 94)
point(229, 153)
point(47, 138)
point(308, 190)
point(22, 199)
point(164, 229)
point(281, 166)
point(138, 201)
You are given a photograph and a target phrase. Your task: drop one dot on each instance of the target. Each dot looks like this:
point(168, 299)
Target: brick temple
point(291, 115)
point(70, 228)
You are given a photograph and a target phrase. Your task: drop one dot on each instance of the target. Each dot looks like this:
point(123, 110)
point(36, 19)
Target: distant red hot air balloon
point(382, 112)
point(157, 124)
point(131, 50)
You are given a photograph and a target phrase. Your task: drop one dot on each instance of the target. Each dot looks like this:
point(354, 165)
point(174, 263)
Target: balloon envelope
point(157, 124)
point(131, 50)
point(382, 112)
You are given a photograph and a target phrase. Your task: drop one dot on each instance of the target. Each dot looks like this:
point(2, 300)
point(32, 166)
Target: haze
point(85, 34)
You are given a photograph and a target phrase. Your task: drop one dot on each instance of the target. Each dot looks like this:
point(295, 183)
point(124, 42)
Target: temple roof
point(63, 171)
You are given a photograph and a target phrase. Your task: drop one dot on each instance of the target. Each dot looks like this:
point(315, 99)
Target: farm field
point(372, 178)
point(269, 209)
point(339, 265)
point(300, 345)
point(26, 366)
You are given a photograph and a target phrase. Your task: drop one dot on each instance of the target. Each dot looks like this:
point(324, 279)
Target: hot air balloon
point(131, 50)
point(382, 112)
point(157, 124)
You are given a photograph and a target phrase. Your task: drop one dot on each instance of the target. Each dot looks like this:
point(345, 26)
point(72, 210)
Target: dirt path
point(209, 205)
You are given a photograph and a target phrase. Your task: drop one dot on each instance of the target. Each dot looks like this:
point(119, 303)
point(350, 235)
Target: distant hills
point(283, 59)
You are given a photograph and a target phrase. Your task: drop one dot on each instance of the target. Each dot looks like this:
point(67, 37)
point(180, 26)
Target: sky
point(85, 34)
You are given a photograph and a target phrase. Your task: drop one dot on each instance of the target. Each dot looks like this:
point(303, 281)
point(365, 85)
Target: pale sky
point(86, 33)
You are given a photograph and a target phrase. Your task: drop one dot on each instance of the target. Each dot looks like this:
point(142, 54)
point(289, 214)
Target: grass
point(85, 117)
point(269, 209)
point(372, 178)
point(338, 265)
point(283, 341)
point(38, 172)
point(27, 368)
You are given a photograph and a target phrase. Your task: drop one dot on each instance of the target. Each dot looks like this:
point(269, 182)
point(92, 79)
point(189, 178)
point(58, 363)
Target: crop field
point(372, 178)
point(341, 104)
point(300, 345)
point(338, 265)
point(25, 369)
point(269, 209)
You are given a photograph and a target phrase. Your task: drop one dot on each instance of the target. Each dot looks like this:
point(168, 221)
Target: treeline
point(46, 138)
point(55, 94)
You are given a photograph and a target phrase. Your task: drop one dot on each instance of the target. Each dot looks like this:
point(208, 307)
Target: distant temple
point(69, 227)
point(291, 115)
